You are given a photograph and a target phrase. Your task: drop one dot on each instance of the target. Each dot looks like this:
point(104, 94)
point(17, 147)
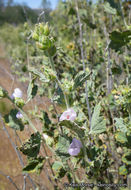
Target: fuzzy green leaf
point(109, 9)
point(119, 39)
point(126, 158)
point(62, 147)
point(80, 78)
point(120, 125)
point(57, 165)
point(12, 121)
point(72, 126)
point(32, 90)
point(31, 147)
point(121, 137)
point(123, 170)
point(98, 124)
point(40, 75)
point(34, 165)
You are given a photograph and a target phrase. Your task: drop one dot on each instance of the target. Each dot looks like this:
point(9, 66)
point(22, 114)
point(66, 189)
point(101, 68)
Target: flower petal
point(73, 151)
point(19, 115)
point(69, 114)
point(17, 93)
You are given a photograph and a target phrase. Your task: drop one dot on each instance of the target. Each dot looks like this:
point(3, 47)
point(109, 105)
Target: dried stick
point(83, 62)
point(17, 152)
point(108, 69)
point(10, 179)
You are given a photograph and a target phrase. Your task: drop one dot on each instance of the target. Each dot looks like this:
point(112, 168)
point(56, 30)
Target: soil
point(9, 162)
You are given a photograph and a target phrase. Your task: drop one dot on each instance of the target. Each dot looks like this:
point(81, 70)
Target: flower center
point(67, 116)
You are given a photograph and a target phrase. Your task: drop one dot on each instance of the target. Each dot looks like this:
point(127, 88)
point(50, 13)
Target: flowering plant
point(92, 137)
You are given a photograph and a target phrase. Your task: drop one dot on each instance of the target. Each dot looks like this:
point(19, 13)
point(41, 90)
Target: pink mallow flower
point(69, 114)
point(19, 115)
point(17, 93)
point(75, 147)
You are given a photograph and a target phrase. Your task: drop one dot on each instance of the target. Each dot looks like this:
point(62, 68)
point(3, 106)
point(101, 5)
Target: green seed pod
point(35, 36)
point(46, 30)
point(41, 28)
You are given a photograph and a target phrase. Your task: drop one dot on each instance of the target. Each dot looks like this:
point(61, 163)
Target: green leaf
point(45, 119)
point(120, 125)
point(98, 124)
point(62, 147)
point(12, 121)
point(89, 23)
point(121, 137)
point(72, 11)
point(40, 75)
point(109, 9)
point(32, 90)
point(119, 39)
point(73, 127)
point(57, 166)
point(80, 78)
point(126, 158)
point(116, 70)
point(31, 147)
point(35, 165)
point(123, 170)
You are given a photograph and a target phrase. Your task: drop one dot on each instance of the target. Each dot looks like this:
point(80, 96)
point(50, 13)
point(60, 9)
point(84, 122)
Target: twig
point(122, 14)
point(10, 179)
point(108, 69)
point(83, 62)
point(24, 186)
point(53, 174)
point(17, 152)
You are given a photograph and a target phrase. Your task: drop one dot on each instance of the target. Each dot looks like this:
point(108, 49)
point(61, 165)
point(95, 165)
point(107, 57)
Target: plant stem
point(122, 14)
point(83, 62)
point(108, 68)
point(59, 83)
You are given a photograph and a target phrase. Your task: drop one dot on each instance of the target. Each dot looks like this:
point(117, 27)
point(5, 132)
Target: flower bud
point(52, 50)
point(3, 93)
point(39, 45)
point(35, 36)
point(46, 42)
point(19, 102)
point(46, 30)
point(41, 28)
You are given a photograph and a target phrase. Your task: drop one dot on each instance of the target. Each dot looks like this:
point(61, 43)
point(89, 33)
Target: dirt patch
point(9, 162)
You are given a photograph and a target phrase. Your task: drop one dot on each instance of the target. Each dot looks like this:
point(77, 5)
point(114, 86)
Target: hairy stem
point(59, 83)
point(83, 62)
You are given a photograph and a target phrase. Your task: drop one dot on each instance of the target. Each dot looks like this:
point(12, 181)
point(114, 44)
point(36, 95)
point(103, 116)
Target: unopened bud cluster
point(43, 39)
point(3, 93)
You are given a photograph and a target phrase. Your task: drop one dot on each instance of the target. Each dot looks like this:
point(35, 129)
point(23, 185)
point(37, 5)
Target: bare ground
point(9, 162)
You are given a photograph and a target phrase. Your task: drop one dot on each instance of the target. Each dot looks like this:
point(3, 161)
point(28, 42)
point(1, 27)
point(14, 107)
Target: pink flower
point(17, 93)
point(75, 147)
point(69, 114)
point(19, 115)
